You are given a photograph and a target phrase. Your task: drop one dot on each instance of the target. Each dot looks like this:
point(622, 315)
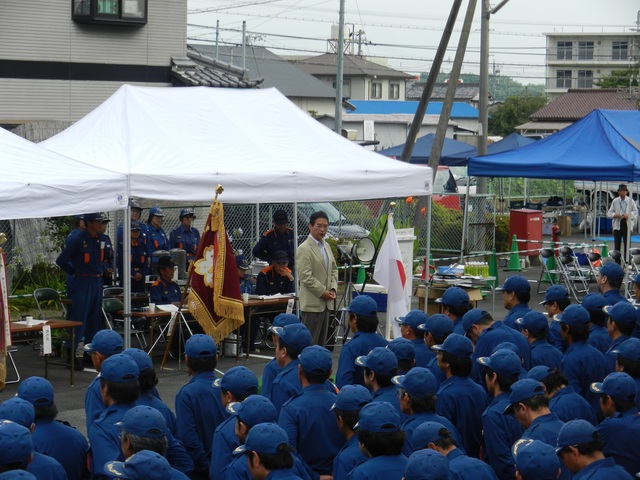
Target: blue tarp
point(388, 107)
point(604, 145)
point(422, 149)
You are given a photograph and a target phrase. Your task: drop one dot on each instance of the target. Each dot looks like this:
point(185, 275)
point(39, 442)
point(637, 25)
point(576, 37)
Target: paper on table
point(167, 308)
point(277, 295)
point(32, 323)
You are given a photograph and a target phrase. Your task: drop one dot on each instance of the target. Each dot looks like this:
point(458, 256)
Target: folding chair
point(11, 361)
point(110, 307)
point(42, 295)
point(111, 292)
point(635, 261)
point(575, 277)
point(594, 258)
point(547, 275)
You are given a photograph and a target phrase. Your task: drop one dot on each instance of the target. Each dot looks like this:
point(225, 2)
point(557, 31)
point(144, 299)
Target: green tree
point(620, 78)
point(513, 112)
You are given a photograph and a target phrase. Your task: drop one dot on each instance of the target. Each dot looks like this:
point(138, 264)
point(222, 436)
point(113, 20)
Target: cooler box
point(377, 292)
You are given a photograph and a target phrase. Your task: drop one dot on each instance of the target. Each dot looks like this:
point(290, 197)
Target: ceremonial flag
point(389, 272)
point(214, 299)
point(5, 330)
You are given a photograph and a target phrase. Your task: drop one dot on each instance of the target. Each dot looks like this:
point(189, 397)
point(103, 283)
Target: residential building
point(465, 92)
point(577, 60)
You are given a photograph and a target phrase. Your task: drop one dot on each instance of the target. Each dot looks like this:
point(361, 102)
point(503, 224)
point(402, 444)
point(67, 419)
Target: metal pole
point(217, 36)
point(483, 105)
point(244, 46)
point(340, 70)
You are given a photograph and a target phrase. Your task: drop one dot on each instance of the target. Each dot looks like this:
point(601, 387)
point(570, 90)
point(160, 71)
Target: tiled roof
point(354, 66)
point(578, 103)
point(464, 91)
point(200, 70)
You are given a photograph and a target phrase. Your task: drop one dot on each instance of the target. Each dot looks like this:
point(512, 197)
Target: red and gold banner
point(214, 299)
point(5, 334)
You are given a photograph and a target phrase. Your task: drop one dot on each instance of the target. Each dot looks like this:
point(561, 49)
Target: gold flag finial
point(219, 190)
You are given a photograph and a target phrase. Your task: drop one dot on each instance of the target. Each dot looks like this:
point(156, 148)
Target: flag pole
point(392, 206)
point(187, 285)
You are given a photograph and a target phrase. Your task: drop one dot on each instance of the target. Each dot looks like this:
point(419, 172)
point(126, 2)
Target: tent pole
point(295, 245)
point(126, 273)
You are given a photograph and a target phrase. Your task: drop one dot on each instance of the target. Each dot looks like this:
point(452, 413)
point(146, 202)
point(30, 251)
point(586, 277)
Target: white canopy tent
point(37, 183)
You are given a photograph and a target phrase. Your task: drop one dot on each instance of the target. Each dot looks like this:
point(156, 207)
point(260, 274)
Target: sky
point(405, 33)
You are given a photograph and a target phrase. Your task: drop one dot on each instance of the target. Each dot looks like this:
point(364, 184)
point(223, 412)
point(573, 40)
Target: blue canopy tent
point(604, 145)
point(453, 154)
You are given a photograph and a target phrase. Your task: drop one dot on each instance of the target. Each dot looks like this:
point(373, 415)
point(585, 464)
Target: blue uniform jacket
point(582, 365)
point(105, 440)
point(599, 338)
point(620, 435)
point(385, 467)
point(437, 372)
point(555, 337)
point(223, 444)
point(271, 241)
point(83, 255)
point(611, 357)
point(568, 405)
point(417, 419)
point(543, 353)
point(271, 371)
point(270, 283)
point(69, 276)
point(546, 428)
point(199, 411)
point(389, 394)
point(347, 459)
point(500, 432)
point(605, 469)
point(462, 467)
point(64, 443)
point(499, 332)
point(93, 404)
point(637, 380)
point(44, 467)
point(519, 310)
point(312, 428)
point(423, 354)
point(611, 297)
point(462, 401)
point(285, 385)
point(156, 239)
point(360, 344)
point(187, 240)
point(163, 292)
point(150, 400)
point(139, 264)
point(239, 470)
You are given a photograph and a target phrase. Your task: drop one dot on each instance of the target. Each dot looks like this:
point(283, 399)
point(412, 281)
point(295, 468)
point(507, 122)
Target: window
point(585, 50)
point(620, 51)
point(565, 50)
point(394, 91)
point(563, 79)
point(121, 12)
point(346, 87)
point(585, 78)
point(376, 90)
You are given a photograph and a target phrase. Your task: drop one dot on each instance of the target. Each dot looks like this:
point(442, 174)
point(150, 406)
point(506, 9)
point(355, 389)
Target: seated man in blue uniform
point(610, 280)
point(279, 238)
point(380, 366)
point(535, 328)
point(199, 403)
point(307, 416)
point(516, 293)
point(16, 447)
point(628, 361)
point(165, 290)
point(621, 321)
point(363, 323)
point(139, 259)
point(409, 329)
point(50, 436)
point(535, 460)
point(277, 277)
point(349, 402)
point(405, 353)
point(272, 369)
point(427, 465)
point(598, 335)
point(436, 331)
point(143, 465)
point(381, 440)
point(454, 304)
point(185, 236)
point(556, 299)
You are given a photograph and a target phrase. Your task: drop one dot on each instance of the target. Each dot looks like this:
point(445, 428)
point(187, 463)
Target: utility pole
point(340, 70)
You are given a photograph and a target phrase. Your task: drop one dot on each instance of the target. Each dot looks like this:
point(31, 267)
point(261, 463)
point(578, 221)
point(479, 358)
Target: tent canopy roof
point(450, 155)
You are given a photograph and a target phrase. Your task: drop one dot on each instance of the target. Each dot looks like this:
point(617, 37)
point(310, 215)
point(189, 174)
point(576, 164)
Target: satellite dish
point(365, 250)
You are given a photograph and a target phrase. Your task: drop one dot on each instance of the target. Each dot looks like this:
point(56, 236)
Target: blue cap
point(316, 360)
point(555, 293)
point(242, 263)
point(635, 278)
point(413, 319)
point(136, 226)
point(574, 316)
point(575, 432)
point(186, 212)
point(120, 368)
point(239, 381)
point(380, 360)
point(473, 317)
point(535, 322)
point(92, 217)
point(539, 372)
point(264, 438)
point(19, 411)
point(623, 313)
point(618, 385)
point(507, 346)
point(37, 391)
point(16, 445)
point(352, 398)
point(253, 410)
point(17, 475)
point(427, 464)
point(379, 417)
point(296, 335)
point(200, 346)
point(503, 362)
point(516, 283)
point(438, 325)
point(629, 349)
point(536, 459)
point(280, 256)
point(280, 217)
point(426, 433)
point(144, 465)
point(144, 421)
point(363, 305)
point(403, 348)
point(612, 271)
point(284, 319)
point(523, 390)
point(156, 211)
point(593, 302)
point(454, 297)
point(418, 381)
point(142, 358)
point(457, 345)
point(107, 342)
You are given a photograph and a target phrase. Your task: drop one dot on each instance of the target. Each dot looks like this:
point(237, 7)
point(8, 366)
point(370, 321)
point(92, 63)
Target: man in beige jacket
point(318, 276)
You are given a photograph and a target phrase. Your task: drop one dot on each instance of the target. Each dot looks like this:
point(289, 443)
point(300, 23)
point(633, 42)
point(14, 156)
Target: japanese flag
point(389, 272)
